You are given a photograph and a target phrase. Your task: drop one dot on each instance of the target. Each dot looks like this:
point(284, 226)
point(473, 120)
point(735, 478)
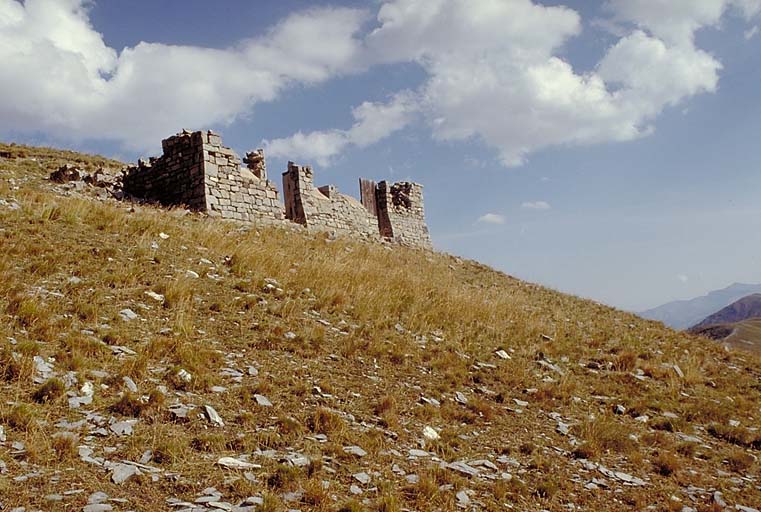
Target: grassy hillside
point(459, 384)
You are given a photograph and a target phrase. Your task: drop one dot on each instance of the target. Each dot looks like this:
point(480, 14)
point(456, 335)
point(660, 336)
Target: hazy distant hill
point(744, 335)
point(737, 325)
point(682, 314)
point(743, 309)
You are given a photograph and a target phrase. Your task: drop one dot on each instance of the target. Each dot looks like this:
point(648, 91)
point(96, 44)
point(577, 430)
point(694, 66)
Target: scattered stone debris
point(120, 473)
point(67, 173)
point(127, 315)
point(262, 401)
point(430, 433)
point(355, 450)
point(233, 463)
point(213, 417)
point(463, 468)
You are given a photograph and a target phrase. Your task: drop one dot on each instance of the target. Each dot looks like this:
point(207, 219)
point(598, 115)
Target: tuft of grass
point(48, 391)
point(65, 445)
point(547, 488)
point(666, 463)
point(740, 461)
point(605, 434)
point(130, 404)
point(324, 421)
point(20, 417)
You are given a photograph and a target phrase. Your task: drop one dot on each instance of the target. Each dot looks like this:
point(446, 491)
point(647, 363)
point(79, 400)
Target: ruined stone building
point(197, 171)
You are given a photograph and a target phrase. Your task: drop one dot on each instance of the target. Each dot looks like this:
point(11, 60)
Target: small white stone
point(127, 314)
point(87, 389)
point(362, 478)
point(123, 472)
point(213, 416)
point(155, 296)
point(430, 433)
point(233, 463)
point(130, 384)
point(262, 401)
point(355, 450)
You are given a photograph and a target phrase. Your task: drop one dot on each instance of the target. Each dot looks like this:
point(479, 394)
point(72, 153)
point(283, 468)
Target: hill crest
point(164, 359)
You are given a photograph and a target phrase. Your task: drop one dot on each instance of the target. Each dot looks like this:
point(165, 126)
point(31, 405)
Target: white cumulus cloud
point(58, 76)
point(496, 69)
point(536, 205)
point(373, 122)
point(491, 218)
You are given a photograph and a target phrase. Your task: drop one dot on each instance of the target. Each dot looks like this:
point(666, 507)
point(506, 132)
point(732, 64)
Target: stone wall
point(324, 208)
point(198, 172)
point(176, 178)
point(401, 216)
point(238, 193)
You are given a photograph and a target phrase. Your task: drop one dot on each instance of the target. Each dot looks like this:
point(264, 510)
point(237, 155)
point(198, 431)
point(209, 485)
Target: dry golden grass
point(357, 334)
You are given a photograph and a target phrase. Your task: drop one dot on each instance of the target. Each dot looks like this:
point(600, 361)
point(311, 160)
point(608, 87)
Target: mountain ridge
point(742, 309)
point(682, 314)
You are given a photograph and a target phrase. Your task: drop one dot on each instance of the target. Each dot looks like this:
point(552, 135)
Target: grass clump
point(48, 391)
point(666, 463)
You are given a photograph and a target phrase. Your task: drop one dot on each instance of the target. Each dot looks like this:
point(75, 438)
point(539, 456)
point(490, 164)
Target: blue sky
point(608, 149)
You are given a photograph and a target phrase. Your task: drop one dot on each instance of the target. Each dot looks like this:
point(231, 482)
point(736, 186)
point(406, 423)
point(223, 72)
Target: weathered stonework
point(176, 178)
point(198, 172)
point(324, 208)
point(393, 212)
point(238, 193)
point(401, 216)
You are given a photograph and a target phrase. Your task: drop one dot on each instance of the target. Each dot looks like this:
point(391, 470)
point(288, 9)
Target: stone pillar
point(296, 181)
point(367, 191)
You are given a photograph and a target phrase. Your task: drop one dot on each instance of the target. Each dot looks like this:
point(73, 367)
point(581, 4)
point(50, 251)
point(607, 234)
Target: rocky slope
point(159, 360)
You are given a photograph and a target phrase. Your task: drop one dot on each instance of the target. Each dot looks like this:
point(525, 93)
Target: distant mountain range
point(742, 309)
point(682, 314)
point(737, 325)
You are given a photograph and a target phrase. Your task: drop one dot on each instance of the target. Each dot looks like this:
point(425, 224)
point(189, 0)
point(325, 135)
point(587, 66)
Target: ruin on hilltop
point(197, 171)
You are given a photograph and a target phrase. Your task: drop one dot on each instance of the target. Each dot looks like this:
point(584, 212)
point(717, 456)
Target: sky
point(610, 149)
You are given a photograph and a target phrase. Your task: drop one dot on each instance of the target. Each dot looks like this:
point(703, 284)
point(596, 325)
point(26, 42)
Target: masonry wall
point(401, 215)
point(176, 178)
point(324, 208)
point(197, 171)
point(233, 192)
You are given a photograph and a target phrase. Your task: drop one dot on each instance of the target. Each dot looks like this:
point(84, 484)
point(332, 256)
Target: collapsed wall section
point(401, 216)
point(198, 172)
point(176, 178)
point(323, 208)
